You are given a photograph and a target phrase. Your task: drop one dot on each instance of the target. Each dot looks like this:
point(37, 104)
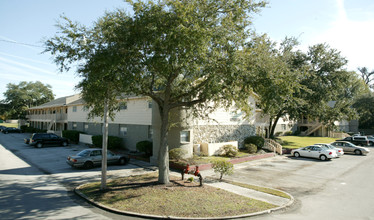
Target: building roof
point(74, 100)
point(59, 102)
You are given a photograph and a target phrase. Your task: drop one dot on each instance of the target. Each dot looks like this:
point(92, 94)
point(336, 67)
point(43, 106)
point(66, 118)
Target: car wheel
point(358, 152)
point(64, 143)
point(88, 165)
point(39, 145)
point(122, 161)
point(296, 154)
point(323, 157)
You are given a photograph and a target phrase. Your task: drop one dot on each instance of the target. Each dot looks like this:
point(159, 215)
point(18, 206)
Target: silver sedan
point(348, 147)
point(91, 157)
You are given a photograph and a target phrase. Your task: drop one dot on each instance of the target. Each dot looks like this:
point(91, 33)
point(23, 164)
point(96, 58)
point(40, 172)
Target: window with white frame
point(123, 106)
point(74, 108)
point(74, 126)
point(235, 116)
point(149, 104)
point(283, 126)
point(185, 136)
point(123, 130)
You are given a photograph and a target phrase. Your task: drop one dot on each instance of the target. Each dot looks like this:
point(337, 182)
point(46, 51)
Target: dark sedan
point(11, 130)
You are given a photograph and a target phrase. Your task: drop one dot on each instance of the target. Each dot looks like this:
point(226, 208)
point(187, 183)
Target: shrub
point(146, 147)
point(113, 142)
point(288, 133)
point(176, 153)
point(223, 167)
point(27, 129)
point(228, 151)
point(256, 140)
point(279, 133)
point(250, 148)
point(72, 135)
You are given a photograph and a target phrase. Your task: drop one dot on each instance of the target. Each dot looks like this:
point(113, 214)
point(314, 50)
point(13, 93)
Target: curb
point(121, 212)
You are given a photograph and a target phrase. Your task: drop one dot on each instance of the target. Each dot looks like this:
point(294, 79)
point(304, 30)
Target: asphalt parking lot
point(52, 160)
point(340, 184)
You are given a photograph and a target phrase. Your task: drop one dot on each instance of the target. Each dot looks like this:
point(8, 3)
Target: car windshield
point(84, 153)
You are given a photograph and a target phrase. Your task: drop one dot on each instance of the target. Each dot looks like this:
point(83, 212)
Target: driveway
point(338, 189)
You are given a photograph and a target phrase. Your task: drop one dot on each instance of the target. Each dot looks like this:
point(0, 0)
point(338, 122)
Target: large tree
point(274, 72)
point(100, 69)
point(364, 106)
point(367, 76)
point(333, 88)
point(20, 97)
point(180, 53)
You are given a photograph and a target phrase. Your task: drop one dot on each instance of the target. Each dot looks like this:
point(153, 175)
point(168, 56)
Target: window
point(149, 104)
point(235, 116)
point(74, 126)
point(85, 127)
point(185, 136)
point(123, 130)
point(123, 106)
point(283, 126)
point(85, 108)
point(74, 108)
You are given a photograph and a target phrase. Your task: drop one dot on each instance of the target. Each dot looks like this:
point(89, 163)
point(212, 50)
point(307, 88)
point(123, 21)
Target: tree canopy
point(180, 53)
point(19, 98)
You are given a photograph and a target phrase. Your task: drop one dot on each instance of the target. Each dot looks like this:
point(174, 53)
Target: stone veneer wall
point(222, 133)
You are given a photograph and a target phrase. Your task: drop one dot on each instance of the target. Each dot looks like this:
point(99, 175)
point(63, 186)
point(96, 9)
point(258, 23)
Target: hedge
point(72, 135)
point(27, 129)
point(113, 141)
point(145, 147)
point(256, 140)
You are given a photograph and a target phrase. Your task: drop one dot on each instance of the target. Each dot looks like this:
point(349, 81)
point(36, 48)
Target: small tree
point(223, 167)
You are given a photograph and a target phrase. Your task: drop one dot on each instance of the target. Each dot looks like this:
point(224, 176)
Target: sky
point(346, 25)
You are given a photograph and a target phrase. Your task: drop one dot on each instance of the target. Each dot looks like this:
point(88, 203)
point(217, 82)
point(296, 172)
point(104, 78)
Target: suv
point(41, 139)
point(358, 140)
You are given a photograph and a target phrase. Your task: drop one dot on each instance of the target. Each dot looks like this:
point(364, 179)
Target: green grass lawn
point(142, 194)
point(297, 142)
point(10, 125)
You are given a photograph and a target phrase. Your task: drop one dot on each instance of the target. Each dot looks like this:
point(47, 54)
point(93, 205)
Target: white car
point(339, 151)
point(315, 151)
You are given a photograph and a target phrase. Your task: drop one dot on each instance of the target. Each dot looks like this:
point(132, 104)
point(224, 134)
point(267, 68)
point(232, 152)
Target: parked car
point(315, 151)
point(357, 140)
point(42, 139)
point(91, 157)
point(11, 130)
point(339, 151)
point(348, 147)
point(371, 140)
point(2, 127)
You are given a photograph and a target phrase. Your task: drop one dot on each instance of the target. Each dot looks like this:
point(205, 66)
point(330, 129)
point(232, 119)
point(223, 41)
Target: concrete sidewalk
point(265, 197)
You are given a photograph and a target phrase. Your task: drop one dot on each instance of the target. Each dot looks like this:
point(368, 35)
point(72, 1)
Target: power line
point(20, 43)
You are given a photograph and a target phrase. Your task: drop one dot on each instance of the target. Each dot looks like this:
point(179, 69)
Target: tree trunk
point(268, 135)
point(163, 153)
point(274, 125)
point(104, 147)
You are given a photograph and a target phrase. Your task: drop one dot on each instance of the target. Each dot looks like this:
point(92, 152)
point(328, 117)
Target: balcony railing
point(48, 117)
